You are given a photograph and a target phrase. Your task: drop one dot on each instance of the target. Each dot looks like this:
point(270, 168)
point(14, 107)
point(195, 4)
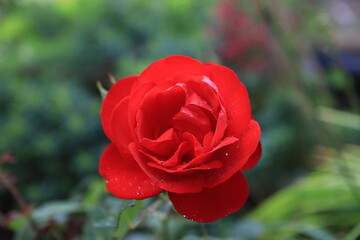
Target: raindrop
point(226, 154)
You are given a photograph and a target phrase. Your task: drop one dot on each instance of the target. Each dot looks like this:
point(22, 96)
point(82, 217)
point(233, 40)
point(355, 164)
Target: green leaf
point(110, 218)
point(339, 118)
point(56, 210)
point(127, 217)
point(354, 234)
point(24, 232)
point(17, 223)
point(317, 203)
point(94, 194)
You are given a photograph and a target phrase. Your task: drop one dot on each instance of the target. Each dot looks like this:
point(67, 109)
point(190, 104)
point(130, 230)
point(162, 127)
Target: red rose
point(184, 127)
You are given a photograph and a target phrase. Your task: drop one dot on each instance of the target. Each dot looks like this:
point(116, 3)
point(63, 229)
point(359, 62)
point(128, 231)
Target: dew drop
point(226, 154)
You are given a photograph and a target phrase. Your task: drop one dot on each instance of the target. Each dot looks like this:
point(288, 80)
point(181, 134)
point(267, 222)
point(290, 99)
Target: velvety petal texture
point(184, 127)
point(117, 92)
point(212, 203)
point(125, 179)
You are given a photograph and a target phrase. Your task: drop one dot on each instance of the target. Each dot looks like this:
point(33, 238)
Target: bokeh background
point(300, 61)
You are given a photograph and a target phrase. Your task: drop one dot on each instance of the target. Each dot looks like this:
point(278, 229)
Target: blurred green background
point(300, 61)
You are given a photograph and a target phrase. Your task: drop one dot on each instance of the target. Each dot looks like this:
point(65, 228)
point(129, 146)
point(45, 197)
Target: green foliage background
point(53, 52)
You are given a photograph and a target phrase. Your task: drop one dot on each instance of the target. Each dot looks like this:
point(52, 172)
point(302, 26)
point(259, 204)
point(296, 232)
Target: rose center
point(194, 120)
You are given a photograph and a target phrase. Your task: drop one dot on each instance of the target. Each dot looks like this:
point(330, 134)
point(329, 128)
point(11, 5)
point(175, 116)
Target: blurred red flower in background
point(242, 43)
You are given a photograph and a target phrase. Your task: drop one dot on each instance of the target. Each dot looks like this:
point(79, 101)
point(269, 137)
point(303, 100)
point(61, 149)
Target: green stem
point(204, 231)
point(19, 200)
point(354, 234)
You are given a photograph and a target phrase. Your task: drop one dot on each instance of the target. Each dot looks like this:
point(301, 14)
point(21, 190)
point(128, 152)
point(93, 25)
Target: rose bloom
point(184, 127)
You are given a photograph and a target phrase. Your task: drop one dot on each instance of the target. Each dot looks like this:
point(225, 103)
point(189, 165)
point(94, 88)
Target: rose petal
point(194, 120)
point(198, 91)
point(136, 98)
point(200, 162)
point(125, 177)
point(221, 125)
point(208, 138)
point(168, 181)
point(194, 99)
point(165, 68)
point(235, 156)
point(206, 166)
point(212, 203)
point(203, 158)
point(117, 92)
point(254, 159)
point(195, 144)
point(174, 160)
point(120, 126)
point(157, 109)
point(235, 98)
point(165, 145)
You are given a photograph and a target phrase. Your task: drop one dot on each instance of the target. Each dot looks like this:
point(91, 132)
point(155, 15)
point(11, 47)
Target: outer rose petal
point(120, 126)
point(212, 203)
point(235, 98)
point(125, 178)
point(117, 92)
point(235, 156)
point(165, 68)
point(254, 159)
